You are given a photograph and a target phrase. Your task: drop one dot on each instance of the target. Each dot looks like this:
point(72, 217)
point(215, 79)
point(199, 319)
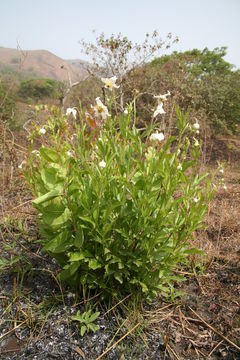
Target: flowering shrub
point(117, 206)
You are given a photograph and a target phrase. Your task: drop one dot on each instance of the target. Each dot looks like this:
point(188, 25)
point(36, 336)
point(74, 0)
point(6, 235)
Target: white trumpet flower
point(162, 98)
point(100, 109)
point(102, 164)
point(196, 126)
point(110, 83)
point(159, 110)
point(157, 137)
point(42, 131)
point(72, 111)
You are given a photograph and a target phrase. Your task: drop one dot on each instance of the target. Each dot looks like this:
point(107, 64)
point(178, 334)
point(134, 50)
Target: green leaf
point(144, 287)
point(94, 264)
point(79, 238)
point(120, 265)
point(87, 219)
point(58, 221)
point(137, 262)
point(59, 244)
point(194, 251)
point(83, 329)
point(94, 316)
point(50, 155)
point(69, 270)
point(3, 262)
point(51, 179)
point(118, 277)
point(140, 184)
point(46, 197)
point(77, 256)
point(77, 317)
point(93, 327)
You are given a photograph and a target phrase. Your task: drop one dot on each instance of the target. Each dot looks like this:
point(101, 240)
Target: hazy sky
point(58, 25)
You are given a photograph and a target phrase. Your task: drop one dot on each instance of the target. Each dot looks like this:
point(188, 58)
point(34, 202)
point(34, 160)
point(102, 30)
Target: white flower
point(110, 83)
point(161, 98)
point(70, 295)
point(179, 167)
point(72, 111)
point(100, 109)
point(22, 163)
point(224, 187)
point(196, 126)
point(159, 110)
point(196, 142)
point(36, 152)
point(102, 164)
point(157, 137)
point(125, 111)
point(196, 200)
point(221, 171)
point(69, 153)
point(42, 131)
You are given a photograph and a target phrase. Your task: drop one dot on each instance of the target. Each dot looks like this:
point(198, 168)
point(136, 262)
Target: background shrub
point(39, 89)
point(8, 109)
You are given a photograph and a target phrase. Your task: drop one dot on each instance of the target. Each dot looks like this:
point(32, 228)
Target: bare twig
point(117, 342)
point(215, 347)
point(173, 352)
point(117, 304)
point(15, 327)
point(214, 330)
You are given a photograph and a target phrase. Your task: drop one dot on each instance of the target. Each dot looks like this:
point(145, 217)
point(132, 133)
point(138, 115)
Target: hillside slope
point(40, 63)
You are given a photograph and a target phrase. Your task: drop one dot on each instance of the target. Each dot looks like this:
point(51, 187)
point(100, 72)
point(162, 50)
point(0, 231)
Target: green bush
point(39, 89)
point(15, 61)
point(117, 207)
point(203, 82)
point(8, 109)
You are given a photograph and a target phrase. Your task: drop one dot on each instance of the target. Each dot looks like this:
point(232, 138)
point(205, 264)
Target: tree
point(118, 56)
point(207, 83)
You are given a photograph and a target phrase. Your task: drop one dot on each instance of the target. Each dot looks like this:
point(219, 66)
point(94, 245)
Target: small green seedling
point(86, 320)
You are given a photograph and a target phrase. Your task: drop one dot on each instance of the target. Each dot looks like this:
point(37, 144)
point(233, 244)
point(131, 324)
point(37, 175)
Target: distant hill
point(40, 64)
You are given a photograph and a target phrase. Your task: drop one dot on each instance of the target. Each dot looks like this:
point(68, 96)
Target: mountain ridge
point(42, 64)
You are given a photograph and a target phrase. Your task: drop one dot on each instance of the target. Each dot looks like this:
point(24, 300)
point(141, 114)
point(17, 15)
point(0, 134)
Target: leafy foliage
point(116, 208)
point(205, 83)
point(8, 110)
point(40, 89)
point(86, 321)
point(199, 62)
